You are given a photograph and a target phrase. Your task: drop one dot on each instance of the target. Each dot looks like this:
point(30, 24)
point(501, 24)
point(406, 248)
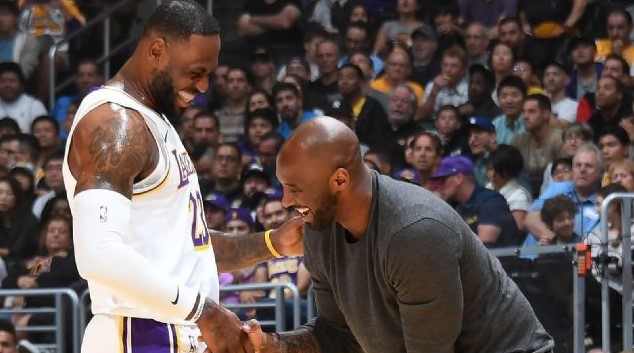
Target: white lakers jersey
point(167, 225)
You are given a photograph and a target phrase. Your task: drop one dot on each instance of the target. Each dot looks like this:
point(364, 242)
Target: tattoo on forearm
point(300, 340)
point(234, 252)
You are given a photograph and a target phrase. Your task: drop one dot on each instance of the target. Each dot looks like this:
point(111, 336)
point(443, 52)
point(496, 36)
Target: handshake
point(223, 332)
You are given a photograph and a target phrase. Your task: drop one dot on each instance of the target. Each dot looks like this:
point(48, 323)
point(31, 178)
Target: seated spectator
point(486, 212)
point(511, 93)
point(279, 270)
point(274, 26)
point(481, 140)
point(53, 267)
point(53, 182)
point(70, 117)
point(216, 206)
point(561, 169)
point(587, 169)
point(370, 117)
point(398, 68)
point(397, 32)
point(446, 21)
point(619, 26)
point(327, 54)
point(364, 62)
point(615, 146)
point(288, 102)
point(267, 153)
point(573, 136)
point(426, 156)
point(488, 13)
point(555, 80)
point(523, 69)
point(9, 152)
point(18, 46)
point(46, 130)
point(226, 171)
point(358, 40)
point(586, 73)
point(447, 125)
point(259, 99)
point(501, 63)
point(9, 340)
point(263, 70)
point(311, 100)
point(558, 215)
point(505, 165)
point(614, 66)
point(258, 123)
point(611, 104)
point(477, 43)
point(481, 85)
point(449, 87)
point(57, 206)
point(239, 82)
point(8, 126)
point(87, 76)
point(541, 143)
point(426, 55)
point(49, 21)
point(254, 181)
point(18, 226)
point(622, 173)
point(304, 65)
point(238, 221)
point(401, 111)
point(205, 131)
point(14, 102)
point(23, 174)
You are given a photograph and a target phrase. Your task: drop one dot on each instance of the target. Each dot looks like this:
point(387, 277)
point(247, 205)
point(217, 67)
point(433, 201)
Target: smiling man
point(367, 240)
point(140, 234)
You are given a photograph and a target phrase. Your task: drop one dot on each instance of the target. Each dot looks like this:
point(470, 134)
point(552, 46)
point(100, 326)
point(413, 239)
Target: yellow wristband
point(267, 240)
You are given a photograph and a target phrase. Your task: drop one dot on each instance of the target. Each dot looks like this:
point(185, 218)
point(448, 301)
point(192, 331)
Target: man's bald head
point(321, 171)
point(324, 141)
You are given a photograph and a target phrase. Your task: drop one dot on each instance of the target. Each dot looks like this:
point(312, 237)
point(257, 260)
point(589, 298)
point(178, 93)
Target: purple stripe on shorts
point(149, 336)
point(124, 336)
point(174, 338)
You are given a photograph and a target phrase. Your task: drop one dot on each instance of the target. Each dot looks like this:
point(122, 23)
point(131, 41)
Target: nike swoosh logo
point(178, 293)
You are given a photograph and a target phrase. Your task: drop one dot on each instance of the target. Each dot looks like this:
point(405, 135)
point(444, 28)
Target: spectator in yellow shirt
point(619, 27)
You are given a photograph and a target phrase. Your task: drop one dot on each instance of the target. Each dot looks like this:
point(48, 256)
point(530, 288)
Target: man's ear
point(158, 51)
point(340, 179)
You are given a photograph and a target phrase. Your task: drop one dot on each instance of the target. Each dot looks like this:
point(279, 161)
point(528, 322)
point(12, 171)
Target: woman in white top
point(505, 164)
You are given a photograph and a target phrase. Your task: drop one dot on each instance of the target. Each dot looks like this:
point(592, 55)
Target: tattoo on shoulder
point(118, 150)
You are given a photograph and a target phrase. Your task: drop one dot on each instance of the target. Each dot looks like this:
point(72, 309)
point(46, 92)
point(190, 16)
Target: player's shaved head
point(325, 142)
point(321, 170)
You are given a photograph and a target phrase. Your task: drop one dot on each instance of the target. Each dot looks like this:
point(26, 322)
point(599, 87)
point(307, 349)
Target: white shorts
point(118, 334)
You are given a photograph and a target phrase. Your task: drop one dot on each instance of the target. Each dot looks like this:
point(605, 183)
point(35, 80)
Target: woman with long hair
point(18, 225)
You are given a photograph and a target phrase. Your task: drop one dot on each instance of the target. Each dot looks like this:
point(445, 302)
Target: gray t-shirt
point(418, 281)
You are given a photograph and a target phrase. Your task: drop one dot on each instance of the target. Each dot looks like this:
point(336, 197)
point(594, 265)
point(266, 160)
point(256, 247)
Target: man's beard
point(162, 92)
point(324, 216)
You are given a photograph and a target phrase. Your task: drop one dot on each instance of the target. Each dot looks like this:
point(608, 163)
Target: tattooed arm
point(234, 252)
point(111, 147)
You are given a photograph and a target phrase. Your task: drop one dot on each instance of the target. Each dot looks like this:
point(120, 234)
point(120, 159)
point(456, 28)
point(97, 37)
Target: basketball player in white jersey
point(139, 230)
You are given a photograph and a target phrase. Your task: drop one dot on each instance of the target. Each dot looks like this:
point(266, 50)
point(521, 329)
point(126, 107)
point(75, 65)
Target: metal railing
point(279, 304)
point(578, 283)
point(626, 200)
point(59, 328)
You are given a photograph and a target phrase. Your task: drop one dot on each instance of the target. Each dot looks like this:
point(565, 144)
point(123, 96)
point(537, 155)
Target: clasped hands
point(223, 332)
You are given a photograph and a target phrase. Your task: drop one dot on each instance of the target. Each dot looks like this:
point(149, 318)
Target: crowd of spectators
point(516, 112)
